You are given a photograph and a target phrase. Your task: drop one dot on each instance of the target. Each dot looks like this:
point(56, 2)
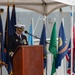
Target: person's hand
point(3, 63)
point(11, 53)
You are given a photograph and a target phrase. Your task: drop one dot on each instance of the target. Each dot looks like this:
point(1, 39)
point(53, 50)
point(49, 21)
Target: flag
point(68, 57)
point(43, 42)
point(30, 38)
point(62, 46)
point(53, 47)
point(13, 18)
point(8, 32)
point(2, 56)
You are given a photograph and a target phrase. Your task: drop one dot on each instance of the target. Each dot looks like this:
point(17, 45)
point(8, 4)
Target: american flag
point(68, 57)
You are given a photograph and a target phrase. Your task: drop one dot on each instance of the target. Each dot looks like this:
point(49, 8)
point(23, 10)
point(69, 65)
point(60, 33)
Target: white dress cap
point(19, 25)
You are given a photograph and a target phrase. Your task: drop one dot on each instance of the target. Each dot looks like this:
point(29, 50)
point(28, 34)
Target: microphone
point(25, 31)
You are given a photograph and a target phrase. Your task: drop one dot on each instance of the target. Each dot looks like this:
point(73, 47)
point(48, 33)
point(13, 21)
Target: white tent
point(43, 7)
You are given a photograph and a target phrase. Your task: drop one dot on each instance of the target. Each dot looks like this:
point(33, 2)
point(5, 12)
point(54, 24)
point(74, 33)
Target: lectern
point(28, 60)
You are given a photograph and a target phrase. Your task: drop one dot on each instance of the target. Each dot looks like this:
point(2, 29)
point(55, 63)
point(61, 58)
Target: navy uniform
point(15, 41)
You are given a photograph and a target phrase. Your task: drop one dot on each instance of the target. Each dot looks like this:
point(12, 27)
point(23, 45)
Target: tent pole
point(72, 40)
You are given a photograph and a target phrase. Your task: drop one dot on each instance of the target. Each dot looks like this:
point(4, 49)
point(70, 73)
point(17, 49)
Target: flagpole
point(45, 22)
point(72, 41)
point(56, 40)
point(1, 11)
point(32, 22)
point(64, 61)
point(36, 25)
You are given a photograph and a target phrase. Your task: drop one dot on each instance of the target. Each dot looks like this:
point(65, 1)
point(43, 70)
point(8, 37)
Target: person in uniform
point(17, 39)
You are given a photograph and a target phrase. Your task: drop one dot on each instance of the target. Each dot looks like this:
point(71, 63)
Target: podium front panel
point(30, 60)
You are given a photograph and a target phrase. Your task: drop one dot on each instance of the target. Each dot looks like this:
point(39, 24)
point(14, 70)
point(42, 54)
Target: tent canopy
point(44, 7)
point(68, 2)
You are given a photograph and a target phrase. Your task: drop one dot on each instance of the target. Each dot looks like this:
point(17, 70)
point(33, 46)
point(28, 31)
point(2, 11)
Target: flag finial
point(44, 19)
point(1, 10)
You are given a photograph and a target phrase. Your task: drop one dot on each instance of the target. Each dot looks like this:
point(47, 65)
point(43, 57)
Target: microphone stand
point(38, 38)
point(35, 36)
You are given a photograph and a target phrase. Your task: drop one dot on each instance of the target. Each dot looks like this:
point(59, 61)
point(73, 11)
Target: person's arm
point(10, 41)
